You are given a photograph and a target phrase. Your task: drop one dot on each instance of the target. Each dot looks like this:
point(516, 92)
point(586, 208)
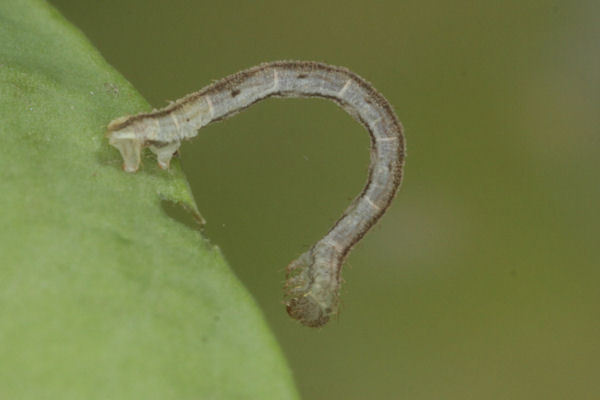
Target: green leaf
point(102, 294)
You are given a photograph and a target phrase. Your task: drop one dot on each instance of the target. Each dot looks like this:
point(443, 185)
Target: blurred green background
point(482, 279)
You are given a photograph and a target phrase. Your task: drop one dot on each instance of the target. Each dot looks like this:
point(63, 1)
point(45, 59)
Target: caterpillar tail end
point(127, 143)
point(131, 150)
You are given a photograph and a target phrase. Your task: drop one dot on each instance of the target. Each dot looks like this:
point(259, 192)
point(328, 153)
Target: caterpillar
point(313, 280)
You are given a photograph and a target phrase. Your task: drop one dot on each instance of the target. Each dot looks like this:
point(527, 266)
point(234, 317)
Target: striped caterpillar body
point(313, 279)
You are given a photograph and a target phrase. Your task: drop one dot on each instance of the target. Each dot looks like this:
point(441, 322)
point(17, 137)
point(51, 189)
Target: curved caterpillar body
point(314, 279)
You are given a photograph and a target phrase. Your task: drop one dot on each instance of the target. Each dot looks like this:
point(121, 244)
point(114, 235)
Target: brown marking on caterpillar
point(313, 279)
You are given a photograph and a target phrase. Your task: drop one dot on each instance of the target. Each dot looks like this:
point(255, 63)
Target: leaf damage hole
point(182, 214)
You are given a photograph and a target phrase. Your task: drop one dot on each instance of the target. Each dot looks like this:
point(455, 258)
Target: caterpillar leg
point(131, 150)
point(164, 152)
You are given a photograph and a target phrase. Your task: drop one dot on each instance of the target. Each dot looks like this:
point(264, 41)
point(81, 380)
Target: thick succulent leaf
point(102, 294)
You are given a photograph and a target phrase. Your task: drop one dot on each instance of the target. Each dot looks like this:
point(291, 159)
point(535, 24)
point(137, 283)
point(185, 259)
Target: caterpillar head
point(311, 290)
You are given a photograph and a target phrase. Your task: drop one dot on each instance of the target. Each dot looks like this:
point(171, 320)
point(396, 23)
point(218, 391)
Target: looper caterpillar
point(314, 278)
